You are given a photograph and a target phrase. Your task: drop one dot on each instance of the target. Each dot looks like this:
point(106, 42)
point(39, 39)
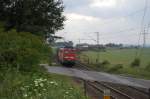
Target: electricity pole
point(97, 40)
point(79, 40)
point(98, 45)
point(145, 33)
point(144, 39)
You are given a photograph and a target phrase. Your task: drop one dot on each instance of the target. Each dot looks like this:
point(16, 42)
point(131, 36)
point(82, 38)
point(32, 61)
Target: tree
point(40, 17)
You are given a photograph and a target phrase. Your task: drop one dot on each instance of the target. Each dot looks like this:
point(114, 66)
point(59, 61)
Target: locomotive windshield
point(70, 47)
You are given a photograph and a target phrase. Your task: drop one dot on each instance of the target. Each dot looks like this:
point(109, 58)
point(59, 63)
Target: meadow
point(120, 56)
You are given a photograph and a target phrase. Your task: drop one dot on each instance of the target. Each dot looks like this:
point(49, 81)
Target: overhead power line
point(128, 15)
point(118, 33)
point(142, 31)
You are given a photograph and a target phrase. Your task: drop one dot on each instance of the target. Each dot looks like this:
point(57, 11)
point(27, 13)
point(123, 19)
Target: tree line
point(40, 17)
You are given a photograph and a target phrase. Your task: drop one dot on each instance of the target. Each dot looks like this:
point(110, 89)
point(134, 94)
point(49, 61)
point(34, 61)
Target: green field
point(121, 56)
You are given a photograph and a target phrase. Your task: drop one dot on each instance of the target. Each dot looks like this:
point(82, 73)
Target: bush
point(148, 67)
point(23, 51)
point(105, 62)
point(102, 65)
point(115, 68)
point(136, 63)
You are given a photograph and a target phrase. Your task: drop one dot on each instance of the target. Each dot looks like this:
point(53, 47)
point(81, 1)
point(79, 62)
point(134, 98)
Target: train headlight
point(66, 52)
point(66, 57)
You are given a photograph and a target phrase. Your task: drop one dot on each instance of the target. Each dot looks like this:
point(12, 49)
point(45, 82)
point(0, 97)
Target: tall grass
point(16, 85)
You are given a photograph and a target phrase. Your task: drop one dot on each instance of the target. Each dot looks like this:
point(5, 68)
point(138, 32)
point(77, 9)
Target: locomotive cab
point(67, 55)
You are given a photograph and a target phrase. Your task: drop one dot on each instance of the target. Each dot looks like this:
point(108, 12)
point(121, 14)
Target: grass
point(120, 56)
point(16, 85)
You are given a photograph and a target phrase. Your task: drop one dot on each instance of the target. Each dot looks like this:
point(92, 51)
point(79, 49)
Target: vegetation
point(40, 17)
point(105, 62)
point(136, 63)
point(23, 51)
point(40, 85)
point(121, 61)
point(24, 24)
point(115, 68)
point(119, 56)
point(20, 74)
point(148, 67)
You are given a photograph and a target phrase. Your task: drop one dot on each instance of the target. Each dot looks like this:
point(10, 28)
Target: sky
point(117, 21)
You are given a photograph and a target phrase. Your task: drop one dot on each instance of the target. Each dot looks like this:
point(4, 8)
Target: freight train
point(67, 55)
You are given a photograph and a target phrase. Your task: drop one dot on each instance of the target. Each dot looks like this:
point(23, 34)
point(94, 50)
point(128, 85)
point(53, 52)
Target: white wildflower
point(25, 95)
point(36, 85)
point(22, 88)
point(35, 89)
point(26, 86)
point(56, 84)
point(51, 82)
point(44, 89)
point(41, 84)
point(67, 92)
point(39, 95)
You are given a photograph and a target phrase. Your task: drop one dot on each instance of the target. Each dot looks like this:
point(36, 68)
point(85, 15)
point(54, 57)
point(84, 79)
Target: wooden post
point(107, 94)
point(88, 61)
point(149, 93)
point(84, 85)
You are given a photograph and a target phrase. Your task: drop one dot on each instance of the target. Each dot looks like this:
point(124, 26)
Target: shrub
point(148, 67)
point(115, 68)
point(136, 63)
point(102, 65)
point(105, 62)
point(23, 51)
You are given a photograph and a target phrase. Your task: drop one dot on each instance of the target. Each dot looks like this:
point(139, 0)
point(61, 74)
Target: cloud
point(109, 17)
point(75, 16)
point(103, 3)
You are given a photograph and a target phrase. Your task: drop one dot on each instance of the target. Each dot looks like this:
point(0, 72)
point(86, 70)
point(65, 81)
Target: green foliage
point(41, 17)
point(115, 68)
point(37, 86)
point(23, 51)
point(105, 62)
point(104, 65)
point(136, 62)
point(148, 67)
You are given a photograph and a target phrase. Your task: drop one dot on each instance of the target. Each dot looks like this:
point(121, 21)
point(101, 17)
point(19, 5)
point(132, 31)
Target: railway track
point(115, 94)
point(117, 91)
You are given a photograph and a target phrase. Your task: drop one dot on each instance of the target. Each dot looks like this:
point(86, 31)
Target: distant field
point(120, 56)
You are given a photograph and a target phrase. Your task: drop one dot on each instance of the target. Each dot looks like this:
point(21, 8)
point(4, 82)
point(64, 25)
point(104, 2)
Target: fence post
point(88, 61)
point(149, 93)
point(107, 94)
point(84, 85)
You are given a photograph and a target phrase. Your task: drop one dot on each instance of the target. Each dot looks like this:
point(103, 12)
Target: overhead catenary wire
point(128, 15)
point(141, 31)
point(114, 35)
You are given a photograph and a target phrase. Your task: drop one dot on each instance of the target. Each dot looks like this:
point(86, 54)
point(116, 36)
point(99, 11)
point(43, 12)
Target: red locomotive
point(67, 55)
